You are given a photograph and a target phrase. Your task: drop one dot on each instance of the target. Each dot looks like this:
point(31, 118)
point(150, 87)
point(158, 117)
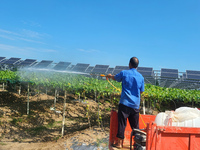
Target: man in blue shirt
point(132, 87)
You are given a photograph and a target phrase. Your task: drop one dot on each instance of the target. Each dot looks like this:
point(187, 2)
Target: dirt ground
point(88, 136)
point(18, 130)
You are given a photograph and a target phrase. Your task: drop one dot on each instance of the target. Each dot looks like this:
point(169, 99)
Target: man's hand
point(110, 76)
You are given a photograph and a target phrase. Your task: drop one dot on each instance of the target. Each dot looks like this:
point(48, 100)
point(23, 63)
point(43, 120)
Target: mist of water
point(52, 70)
point(28, 73)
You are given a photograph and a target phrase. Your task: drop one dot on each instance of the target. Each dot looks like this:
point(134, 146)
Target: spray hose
point(102, 75)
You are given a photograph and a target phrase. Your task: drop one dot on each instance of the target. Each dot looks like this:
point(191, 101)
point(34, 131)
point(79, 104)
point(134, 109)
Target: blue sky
point(161, 33)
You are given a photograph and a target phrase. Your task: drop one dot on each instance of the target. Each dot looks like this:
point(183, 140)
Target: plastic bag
point(179, 115)
point(185, 113)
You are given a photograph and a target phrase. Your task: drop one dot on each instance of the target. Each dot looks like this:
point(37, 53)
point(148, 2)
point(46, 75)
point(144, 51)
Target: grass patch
point(37, 130)
point(58, 121)
point(15, 121)
point(15, 140)
point(108, 109)
point(51, 123)
point(1, 143)
point(56, 138)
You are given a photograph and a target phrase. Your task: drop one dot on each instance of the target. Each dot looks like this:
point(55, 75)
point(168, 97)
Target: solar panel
point(110, 70)
point(118, 69)
point(2, 58)
point(61, 65)
point(169, 73)
point(184, 76)
point(27, 62)
point(12, 61)
point(192, 74)
point(89, 69)
point(80, 67)
point(100, 69)
point(145, 71)
point(2, 62)
point(20, 61)
point(43, 64)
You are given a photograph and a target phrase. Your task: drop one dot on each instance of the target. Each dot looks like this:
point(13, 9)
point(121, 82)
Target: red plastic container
point(172, 138)
point(143, 120)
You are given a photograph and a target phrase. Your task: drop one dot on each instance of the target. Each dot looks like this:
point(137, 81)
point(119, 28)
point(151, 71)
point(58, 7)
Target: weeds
point(1, 143)
point(16, 120)
point(51, 123)
point(37, 130)
point(56, 138)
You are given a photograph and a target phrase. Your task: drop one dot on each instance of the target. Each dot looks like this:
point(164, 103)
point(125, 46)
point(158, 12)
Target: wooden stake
point(55, 100)
point(64, 107)
point(28, 101)
point(144, 107)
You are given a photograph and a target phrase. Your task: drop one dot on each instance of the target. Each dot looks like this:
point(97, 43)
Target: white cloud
point(88, 51)
point(6, 37)
point(23, 50)
point(31, 23)
point(6, 47)
point(9, 32)
point(25, 35)
point(33, 34)
point(28, 40)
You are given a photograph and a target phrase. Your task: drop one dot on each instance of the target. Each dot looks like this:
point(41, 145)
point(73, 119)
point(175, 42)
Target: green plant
point(56, 138)
point(37, 130)
point(51, 123)
point(1, 143)
point(14, 121)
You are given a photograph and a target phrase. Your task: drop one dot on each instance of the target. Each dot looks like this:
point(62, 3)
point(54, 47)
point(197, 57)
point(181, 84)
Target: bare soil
point(41, 129)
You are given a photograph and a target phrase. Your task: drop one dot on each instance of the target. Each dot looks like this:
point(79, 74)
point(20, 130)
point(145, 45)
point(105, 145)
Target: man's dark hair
point(134, 62)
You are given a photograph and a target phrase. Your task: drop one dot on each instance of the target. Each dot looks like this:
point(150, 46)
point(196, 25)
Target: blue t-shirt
point(132, 85)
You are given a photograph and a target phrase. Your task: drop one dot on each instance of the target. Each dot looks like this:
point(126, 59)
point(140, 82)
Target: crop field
point(44, 106)
point(89, 86)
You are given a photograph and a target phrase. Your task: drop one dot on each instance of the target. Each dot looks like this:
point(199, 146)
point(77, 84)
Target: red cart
point(158, 137)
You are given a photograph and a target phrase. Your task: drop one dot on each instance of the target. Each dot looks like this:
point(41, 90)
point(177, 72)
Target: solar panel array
point(110, 71)
point(165, 77)
point(80, 67)
point(89, 69)
point(169, 73)
point(62, 65)
point(12, 61)
point(102, 69)
point(27, 62)
point(193, 75)
point(117, 69)
point(145, 71)
point(168, 77)
point(2, 58)
point(43, 64)
point(148, 74)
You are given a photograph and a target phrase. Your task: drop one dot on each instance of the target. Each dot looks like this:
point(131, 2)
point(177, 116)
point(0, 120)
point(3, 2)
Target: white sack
point(185, 113)
point(179, 115)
